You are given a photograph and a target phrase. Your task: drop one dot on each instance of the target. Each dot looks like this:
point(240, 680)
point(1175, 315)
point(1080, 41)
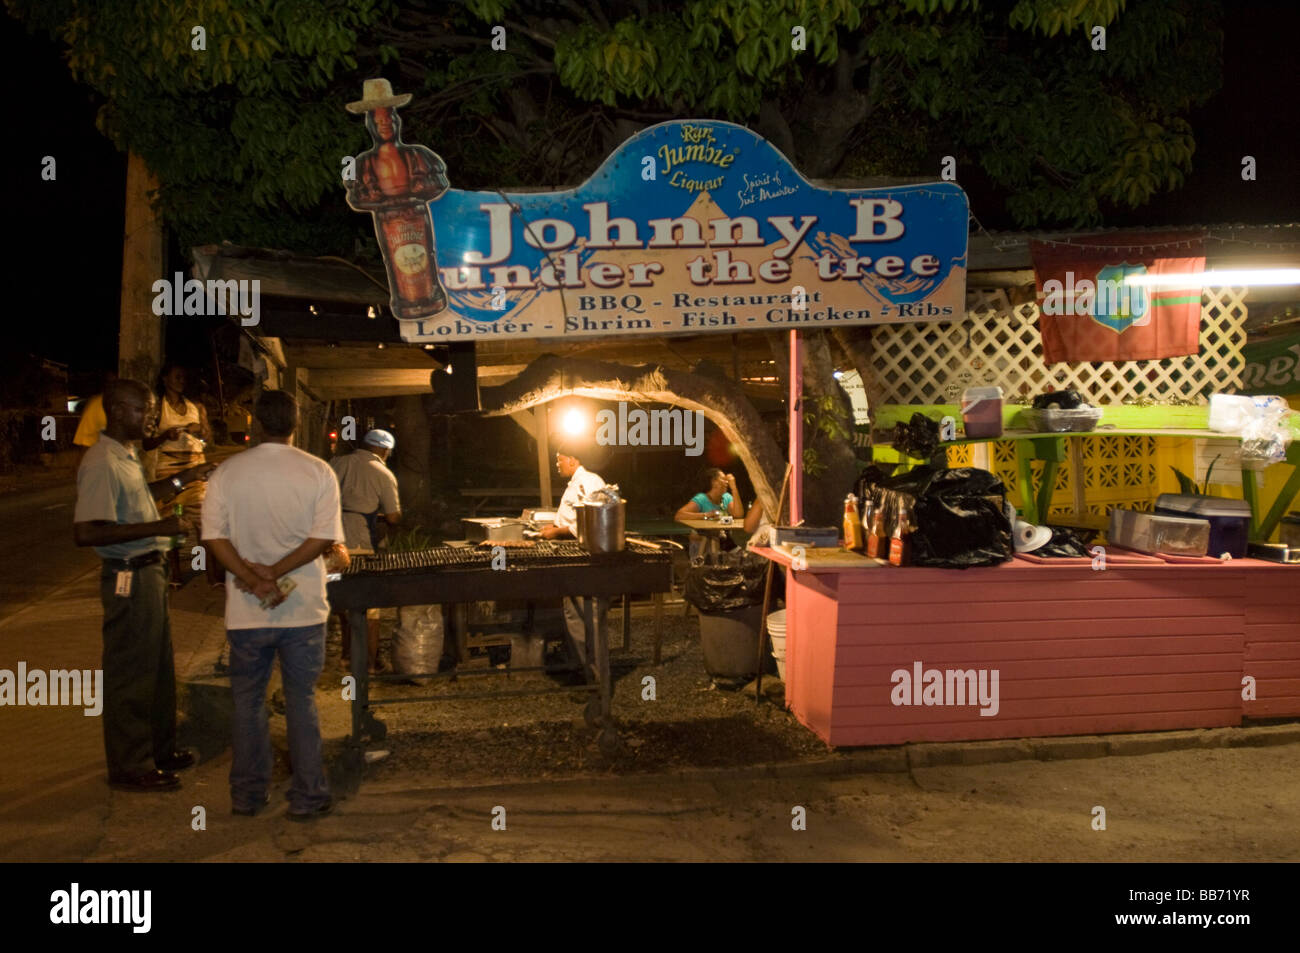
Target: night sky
point(65, 243)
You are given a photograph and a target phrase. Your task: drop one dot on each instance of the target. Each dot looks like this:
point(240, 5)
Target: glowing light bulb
point(574, 422)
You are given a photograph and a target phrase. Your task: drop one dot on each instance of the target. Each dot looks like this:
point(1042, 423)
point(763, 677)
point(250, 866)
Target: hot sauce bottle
point(853, 538)
point(868, 516)
point(877, 547)
point(900, 545)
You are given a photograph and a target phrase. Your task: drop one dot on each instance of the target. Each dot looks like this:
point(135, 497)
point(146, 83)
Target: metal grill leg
point(359, 670)
point(608, 739)
point(627, 621)
point(659, 625)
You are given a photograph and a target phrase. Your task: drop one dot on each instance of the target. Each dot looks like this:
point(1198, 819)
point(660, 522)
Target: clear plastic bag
point(417, 641)
point(1264, 433)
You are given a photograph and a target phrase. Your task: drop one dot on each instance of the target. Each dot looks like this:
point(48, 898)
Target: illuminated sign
point(694, 226)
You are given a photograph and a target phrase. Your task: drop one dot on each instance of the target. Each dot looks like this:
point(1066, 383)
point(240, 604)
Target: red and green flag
point(1093, 309)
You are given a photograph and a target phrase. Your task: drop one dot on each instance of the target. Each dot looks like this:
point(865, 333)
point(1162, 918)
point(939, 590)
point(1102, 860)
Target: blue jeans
point(302, 656)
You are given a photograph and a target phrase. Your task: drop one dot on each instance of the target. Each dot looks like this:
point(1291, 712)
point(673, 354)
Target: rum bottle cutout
point(395, 183)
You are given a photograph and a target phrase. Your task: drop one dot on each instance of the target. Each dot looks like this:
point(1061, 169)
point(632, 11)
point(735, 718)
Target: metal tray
point(481, 528)
point(1062, 421)
point(1274, 553)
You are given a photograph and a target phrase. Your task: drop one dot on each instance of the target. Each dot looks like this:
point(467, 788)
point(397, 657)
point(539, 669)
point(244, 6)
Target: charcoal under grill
point(456, 574)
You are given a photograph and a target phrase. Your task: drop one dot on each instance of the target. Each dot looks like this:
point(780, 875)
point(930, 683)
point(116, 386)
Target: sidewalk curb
point(904, 758)
point(10, 616)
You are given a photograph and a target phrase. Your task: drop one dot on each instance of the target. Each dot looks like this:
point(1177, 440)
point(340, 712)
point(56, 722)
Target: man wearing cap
point(582, 484)
point(368, 492)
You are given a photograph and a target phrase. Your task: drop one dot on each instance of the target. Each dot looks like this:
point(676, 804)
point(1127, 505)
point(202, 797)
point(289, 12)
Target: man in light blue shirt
point(117, 515)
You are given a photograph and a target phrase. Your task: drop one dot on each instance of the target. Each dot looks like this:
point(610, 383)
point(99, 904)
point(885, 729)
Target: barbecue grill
point(457, 574)
point(562, 552)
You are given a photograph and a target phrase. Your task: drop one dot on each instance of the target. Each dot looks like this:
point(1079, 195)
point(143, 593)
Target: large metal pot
point(601, 526)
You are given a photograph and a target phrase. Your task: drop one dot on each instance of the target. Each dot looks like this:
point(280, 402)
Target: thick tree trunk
point(411, 460)
point(859, 347)
point(140, 332)
point(823, 495)
point(550, 377)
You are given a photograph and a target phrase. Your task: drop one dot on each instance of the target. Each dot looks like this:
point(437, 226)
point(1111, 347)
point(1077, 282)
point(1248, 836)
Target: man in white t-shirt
point(271, 513)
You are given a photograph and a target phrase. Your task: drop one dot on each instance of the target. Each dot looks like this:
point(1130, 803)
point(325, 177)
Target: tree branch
point(550, 377)
point(531, 33)
point(774, 127)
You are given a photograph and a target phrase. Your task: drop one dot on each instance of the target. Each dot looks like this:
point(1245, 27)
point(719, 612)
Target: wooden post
point(293, 377)
point(411, 460)
point(796, 430)
point(1077, 480)
point(543, 455)
point(140, 331)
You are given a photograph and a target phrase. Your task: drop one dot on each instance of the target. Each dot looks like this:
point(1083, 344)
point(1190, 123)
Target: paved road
point(36, 550)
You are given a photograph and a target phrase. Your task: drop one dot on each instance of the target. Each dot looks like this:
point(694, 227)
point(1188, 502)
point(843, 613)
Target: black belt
point(135, 562)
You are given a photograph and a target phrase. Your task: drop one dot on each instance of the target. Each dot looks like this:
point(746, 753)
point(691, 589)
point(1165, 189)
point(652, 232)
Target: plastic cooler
point(1229, 519)
point(981, 412)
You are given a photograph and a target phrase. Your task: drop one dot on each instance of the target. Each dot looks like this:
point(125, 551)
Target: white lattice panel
point(1000, 344)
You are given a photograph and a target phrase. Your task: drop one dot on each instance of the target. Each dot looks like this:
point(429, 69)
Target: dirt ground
point(689, 723)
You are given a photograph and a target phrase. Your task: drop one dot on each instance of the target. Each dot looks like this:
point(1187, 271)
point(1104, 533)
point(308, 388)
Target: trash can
point(728, 593)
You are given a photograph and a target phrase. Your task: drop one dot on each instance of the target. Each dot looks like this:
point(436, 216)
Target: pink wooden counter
point(1140, 646)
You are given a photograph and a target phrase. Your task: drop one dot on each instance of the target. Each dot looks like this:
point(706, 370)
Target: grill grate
point(460, 558)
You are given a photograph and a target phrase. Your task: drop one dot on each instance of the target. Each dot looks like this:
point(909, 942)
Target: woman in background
point(181, 432)
point(718, 496)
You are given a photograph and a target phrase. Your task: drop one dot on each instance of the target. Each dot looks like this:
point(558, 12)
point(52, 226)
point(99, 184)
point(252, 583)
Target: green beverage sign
point(1272, 366)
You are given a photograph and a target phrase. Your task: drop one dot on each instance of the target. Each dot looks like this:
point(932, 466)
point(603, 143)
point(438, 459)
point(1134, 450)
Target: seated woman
point(718, 495)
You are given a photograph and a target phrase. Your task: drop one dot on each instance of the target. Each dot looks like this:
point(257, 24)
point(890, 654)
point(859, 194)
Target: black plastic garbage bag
point(733, 580)
point(871, 476)
point(1065, 543)
point(958, 517)
point(1059, 399)
point(919, 437)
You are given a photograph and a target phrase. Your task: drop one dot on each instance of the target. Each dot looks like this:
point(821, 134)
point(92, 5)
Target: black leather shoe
point(302, 816)
point(176, 761)
point(252, 811)
point(145, 781)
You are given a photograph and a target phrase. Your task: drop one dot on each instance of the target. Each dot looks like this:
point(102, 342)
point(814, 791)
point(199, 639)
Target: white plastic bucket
point(776, 632)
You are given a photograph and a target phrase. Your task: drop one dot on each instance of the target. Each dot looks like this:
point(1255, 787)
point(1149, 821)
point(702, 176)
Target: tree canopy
point(237, 105)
